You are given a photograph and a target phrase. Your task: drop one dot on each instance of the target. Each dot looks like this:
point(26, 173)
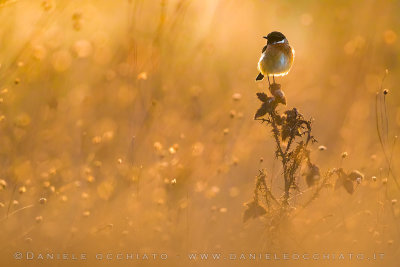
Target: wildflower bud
point(278, 93)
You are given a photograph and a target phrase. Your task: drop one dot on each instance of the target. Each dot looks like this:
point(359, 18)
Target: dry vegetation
point(128, 126)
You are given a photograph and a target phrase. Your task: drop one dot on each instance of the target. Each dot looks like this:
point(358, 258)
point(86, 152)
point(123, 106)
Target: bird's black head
point(274, 37)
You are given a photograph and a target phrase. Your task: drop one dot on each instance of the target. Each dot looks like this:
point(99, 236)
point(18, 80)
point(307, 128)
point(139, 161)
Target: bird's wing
point(264, 48)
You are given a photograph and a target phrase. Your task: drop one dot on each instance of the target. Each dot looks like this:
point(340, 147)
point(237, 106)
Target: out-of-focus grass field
point(133, 122)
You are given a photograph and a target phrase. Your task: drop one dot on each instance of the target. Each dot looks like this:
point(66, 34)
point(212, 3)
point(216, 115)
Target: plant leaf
point(355, 174)
point(312, 175)
point(261, 111)
point(349, 186)
point(262, 96)
point(253, 210)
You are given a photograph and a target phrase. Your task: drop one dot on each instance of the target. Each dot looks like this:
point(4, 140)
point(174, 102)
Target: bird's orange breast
point(276, 60)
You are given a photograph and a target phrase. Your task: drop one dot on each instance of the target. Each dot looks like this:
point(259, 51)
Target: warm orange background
point(105, 103)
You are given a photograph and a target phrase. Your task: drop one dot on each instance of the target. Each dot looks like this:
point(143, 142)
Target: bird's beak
point(265, 37)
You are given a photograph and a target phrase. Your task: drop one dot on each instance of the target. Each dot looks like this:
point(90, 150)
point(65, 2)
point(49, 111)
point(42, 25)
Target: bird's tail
point(259, 77)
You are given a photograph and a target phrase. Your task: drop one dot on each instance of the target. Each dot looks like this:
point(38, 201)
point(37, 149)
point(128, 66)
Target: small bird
point(276, 58)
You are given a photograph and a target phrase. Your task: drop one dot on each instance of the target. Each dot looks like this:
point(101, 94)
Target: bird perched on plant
point(276, 58)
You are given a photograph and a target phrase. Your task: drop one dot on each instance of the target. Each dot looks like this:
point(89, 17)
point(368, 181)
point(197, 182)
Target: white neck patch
point(280, 42)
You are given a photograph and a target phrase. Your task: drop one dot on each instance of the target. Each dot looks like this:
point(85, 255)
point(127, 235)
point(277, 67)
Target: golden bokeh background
point(128, 126)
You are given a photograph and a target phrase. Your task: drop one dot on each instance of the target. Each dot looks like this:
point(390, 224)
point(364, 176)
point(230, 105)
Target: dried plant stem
point(16, 211)
point(286, 128)
point(11, 199)
point(388, 161)
point(261, 184)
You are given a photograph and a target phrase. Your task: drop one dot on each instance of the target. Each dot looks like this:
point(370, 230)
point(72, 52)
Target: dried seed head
point(394, 201)
point(384, 181)
point(38, 219)
point(373, 178)
point(158, 146)
point(344, 155)
point(385, 91)
point(3, 184)
point(42, 200)
point(235, 161)
point(90, 179)
point(236, 96)
point(322, 148)
point(48, 5)
point(172, 150)
point(22, 189)
point(142, 76)
point(96, 140)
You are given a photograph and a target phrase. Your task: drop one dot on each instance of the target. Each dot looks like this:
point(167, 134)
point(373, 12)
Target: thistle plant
point(292, 134)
